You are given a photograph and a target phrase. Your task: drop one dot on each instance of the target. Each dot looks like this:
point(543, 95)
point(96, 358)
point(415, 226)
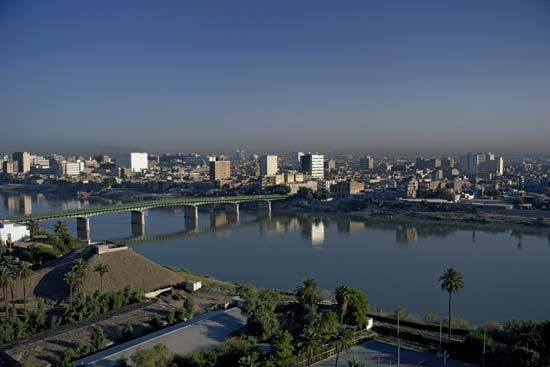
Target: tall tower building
point(23, 160)
point(220, 170)
point(268, 165)
point(296, 160)
point(367, 163)
point(138, 162)
point(314, 165)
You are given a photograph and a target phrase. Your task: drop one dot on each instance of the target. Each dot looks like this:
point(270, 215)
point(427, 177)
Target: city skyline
point(433, 77)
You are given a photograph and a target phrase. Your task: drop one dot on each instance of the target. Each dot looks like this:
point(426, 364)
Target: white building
point(268, 165)
point(481, 163)
point(13, 231)
point(138, 162)
point(314, 165)
point(74, 168)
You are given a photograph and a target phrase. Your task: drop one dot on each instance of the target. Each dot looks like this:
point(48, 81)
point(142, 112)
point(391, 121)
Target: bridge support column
point(83, 228)
point(191, 215)
point(138, 230)
point(265, 208)
point(138, 217)
point(232, 210)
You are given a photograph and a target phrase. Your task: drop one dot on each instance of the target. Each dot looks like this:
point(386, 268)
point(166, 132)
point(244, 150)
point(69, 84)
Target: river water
point(506, 273)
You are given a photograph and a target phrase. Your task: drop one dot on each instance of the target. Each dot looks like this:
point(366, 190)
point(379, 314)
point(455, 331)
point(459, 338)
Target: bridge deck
point(143, 205)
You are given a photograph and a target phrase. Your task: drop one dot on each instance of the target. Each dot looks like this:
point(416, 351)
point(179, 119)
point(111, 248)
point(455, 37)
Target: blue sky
point(360, 76)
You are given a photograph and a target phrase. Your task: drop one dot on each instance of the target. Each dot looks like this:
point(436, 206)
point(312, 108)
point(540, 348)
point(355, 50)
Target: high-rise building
point(9, 167)
point(296, 160)
point(330, 165)
point(367, 163)
point(314, 165)
point(240, 155)
point(220, 170)
point(481, 163)
point(422, 163)
point(23, 160)
point(493, 166)
point(74, 168)
point(447, 163)
point(138, 162)
point(268, 165)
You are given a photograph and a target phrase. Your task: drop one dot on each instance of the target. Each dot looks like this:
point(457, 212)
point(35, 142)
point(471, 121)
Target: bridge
point(190, 204)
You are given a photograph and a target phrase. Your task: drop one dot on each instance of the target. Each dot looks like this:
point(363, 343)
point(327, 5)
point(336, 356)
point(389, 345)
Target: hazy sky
point(359, 76)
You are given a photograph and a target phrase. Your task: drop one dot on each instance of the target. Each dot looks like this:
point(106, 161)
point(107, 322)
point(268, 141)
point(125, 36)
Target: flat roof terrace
point(202, 332)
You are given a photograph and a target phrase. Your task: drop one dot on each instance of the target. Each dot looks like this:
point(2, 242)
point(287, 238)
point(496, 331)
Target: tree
point(308, 293)
point(98, 340)
point(4, 283)
point(127, 333)
point(60, 229)
point(25, 271)
point(342, 294)
point(312, 342)
point(188, 307)
point(71, 280)
point(158, 356)
point(79, 270)
point(101, 269)
point(305, 193)
point(329, 324)
point(451, 281)
point(282, 354)
point(322, 194)
point(355, 363)
point(33, 227)
point(357, 309)
point(343, 341)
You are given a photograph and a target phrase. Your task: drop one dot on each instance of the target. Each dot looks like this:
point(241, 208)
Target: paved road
point(203, 332)
point(375, 353)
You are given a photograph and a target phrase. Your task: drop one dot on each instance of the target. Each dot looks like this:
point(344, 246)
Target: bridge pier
point(191, 215)
point(233, 214)
point(138, 217)
point(83, 228)
point(138, 230)
point(264, 207)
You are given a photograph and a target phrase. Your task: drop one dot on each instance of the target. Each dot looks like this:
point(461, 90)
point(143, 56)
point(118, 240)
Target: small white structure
point(13, 231)
point(191, 286)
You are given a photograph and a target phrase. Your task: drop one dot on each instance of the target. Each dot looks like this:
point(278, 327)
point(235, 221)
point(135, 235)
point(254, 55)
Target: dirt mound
point(126, 269)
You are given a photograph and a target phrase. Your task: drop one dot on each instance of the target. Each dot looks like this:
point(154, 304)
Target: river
point(506, 273)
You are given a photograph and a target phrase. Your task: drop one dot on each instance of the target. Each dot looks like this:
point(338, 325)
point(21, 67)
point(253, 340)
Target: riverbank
point(473, 219)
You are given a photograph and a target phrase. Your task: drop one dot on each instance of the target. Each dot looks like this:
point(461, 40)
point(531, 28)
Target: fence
point(358, 337)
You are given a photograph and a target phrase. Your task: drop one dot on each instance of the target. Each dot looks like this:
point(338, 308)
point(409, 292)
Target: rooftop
point(203, 332)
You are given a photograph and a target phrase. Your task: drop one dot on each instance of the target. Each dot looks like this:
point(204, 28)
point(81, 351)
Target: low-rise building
point(12, 232)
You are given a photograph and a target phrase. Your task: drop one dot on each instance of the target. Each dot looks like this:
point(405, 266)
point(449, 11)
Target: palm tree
point(313, 341)
point(343, 340)
point(33, 227)
point(60, 229)
point(24, 272)
point(79, 269)
point(308, 293)
point(342, 294)
point(4, 283)
point(101, 269)
point(71, 279)
point(451, 281)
